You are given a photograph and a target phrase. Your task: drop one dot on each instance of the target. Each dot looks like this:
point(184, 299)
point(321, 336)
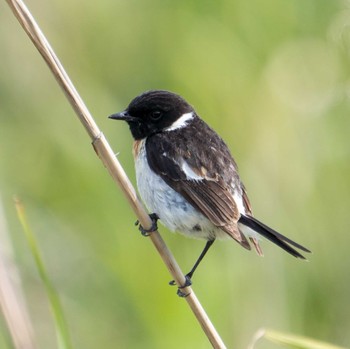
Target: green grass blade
point(293, 341)
point(63, 338)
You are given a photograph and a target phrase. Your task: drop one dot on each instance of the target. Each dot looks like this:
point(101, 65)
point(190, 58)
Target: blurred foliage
point(62, 332)
point(271, 77)
point(291, 341)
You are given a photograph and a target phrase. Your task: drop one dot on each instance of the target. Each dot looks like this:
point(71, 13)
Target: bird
point(188, 179)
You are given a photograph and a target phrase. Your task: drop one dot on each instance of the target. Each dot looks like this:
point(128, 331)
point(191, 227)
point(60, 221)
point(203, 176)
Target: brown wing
point(249, 211)
point(208, 193)
point(246, 202)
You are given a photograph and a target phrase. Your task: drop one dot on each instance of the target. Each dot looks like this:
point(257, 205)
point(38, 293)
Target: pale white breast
point(173, 210)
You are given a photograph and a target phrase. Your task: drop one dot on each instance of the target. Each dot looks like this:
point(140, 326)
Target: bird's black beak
point(124, 115)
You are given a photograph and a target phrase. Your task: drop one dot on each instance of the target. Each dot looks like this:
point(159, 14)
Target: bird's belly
point(172, 209)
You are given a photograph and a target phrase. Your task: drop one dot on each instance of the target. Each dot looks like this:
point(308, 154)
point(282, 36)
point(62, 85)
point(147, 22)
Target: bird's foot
point(188, 282)
point(147, 232)
point(180, 289)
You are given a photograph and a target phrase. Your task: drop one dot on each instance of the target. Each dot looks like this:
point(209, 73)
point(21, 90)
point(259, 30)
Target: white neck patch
point(180, 122)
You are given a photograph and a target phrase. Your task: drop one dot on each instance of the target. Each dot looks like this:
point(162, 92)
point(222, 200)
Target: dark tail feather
point(272, 235)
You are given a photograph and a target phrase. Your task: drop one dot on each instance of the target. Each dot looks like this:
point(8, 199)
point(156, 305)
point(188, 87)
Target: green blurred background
point(272, 77)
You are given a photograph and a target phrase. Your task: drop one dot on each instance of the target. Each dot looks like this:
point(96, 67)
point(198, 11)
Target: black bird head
point(152, 112)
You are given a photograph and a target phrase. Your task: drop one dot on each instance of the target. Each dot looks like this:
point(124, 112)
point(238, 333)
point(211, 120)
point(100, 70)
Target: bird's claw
point(180, 293)
point(147, 232)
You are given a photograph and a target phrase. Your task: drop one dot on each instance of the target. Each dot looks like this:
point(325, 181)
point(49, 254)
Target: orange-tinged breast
point(137, 147)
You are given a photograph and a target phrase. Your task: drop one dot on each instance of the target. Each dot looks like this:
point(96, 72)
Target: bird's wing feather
point(202, 188)
point(208, 196)
point(246, 202)
point(200, 185)
point(249, 211)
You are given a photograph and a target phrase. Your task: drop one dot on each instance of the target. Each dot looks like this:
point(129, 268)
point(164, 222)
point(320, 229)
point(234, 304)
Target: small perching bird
point(188, 178)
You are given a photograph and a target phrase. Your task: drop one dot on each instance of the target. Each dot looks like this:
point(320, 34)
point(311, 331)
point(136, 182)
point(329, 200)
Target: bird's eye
point(156, 115)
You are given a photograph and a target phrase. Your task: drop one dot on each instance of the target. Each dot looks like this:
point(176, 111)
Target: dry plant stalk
point(12, 300)
point(109, 160)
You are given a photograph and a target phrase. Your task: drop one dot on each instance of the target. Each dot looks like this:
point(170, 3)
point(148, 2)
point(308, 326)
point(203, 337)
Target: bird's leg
point(205, 250)
point(146, 232)
point(189, 275)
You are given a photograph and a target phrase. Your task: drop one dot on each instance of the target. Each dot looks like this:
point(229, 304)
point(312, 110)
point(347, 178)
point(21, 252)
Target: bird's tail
point(272, 235)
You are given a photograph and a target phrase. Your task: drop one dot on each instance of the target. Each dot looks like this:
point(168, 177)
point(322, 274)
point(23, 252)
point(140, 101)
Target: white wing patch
point(186, 169)
point(190, 174)
point(180, 122)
